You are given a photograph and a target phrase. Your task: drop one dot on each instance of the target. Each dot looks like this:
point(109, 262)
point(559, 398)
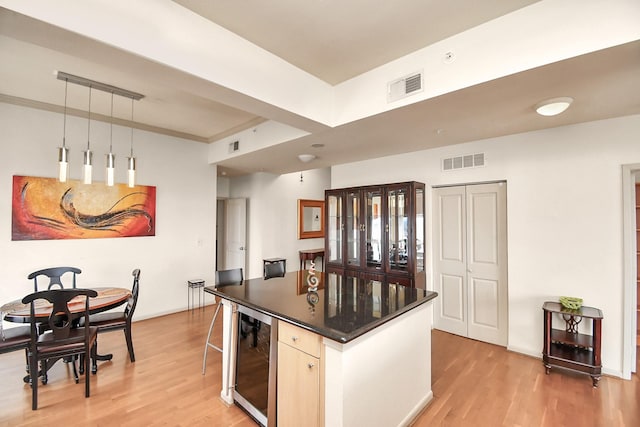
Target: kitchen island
point(354, 352)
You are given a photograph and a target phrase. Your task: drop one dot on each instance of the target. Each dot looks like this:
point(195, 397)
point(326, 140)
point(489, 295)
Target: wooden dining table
point(107, 299)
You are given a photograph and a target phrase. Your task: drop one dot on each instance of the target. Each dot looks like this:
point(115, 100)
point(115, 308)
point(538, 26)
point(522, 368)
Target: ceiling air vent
point(234, 146)
point(463, 162)
point(405, 86)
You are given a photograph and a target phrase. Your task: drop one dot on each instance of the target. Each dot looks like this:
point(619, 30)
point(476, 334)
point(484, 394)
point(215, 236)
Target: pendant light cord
point(89, 121)
point(111, 126)
point(131, 127)
point(64, 123)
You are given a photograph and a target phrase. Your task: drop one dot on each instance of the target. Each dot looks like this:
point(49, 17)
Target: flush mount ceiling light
point(553, 107)
point(306, 158)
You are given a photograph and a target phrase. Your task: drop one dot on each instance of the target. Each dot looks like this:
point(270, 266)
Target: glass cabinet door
point(419, 221)
point(373, 229)
point(398, 229)
point(335, 226)
point(354, 227)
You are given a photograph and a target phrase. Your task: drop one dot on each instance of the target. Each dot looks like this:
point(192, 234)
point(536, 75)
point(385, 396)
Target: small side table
point(311, 255)
point(567, 348)
point(194, 285)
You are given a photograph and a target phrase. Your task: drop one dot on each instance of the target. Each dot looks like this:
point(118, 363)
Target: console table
point(569, 349)
point(310, 255)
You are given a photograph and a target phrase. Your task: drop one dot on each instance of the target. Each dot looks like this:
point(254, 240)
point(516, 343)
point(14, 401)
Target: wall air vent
point(234, 146)
point(463, 162)
point(405, 86)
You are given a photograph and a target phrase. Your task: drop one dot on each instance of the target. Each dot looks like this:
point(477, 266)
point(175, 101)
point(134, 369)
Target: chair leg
point(87, 362)
point(207, 344)
point(75, 369)
point(33, 369)
point(127, 335)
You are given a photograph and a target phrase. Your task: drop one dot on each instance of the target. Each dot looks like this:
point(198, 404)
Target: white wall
point(272, 214)
point(564, 201)
point(184, 245)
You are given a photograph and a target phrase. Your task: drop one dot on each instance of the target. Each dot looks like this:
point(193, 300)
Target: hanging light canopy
point(87, 167)
point(131, 161)
point(63, 152)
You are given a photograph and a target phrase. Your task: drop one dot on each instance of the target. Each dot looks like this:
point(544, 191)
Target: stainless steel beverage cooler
point(256, 362)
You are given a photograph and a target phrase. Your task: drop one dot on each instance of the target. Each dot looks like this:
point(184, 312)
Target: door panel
point(450, 260)
point(452, 248)
point(487, 255)
point(236, 233)
point(482, 222)
point(452, 298)
point(484, 295)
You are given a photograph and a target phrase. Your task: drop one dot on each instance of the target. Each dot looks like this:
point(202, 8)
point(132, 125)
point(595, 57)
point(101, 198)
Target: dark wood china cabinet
point(377, 232)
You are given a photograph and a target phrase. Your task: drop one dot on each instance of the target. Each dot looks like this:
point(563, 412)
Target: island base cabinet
point(298, 388)
point(300, 378)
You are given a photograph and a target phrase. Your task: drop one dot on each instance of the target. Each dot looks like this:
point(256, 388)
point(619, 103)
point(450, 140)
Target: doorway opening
point(631, 259)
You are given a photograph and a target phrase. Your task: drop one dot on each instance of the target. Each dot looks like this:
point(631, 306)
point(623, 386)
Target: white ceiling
point(333, 40)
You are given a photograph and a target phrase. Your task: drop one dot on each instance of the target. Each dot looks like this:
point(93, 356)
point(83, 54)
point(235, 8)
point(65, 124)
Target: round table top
point(108, 298)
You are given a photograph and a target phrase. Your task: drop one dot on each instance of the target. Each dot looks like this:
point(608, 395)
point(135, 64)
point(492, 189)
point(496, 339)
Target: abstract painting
point(46, 209)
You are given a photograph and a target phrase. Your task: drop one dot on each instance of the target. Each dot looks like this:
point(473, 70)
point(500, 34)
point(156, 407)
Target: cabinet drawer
point(299, 338)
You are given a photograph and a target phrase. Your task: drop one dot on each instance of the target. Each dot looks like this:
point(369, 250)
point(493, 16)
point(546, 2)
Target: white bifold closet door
point(470, 261)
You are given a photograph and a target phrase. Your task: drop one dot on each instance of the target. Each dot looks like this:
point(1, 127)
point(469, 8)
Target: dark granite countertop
point(346, 307)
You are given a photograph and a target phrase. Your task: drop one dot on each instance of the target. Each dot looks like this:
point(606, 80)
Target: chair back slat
point(55, 276)
point(61, 319)
point(229, 277)
point(274, 269)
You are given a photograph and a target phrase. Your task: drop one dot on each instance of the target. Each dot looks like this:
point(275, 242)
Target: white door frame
point(630, 298)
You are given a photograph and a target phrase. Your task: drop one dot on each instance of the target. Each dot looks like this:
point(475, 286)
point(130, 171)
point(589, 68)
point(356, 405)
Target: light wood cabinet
point(300, 377)
point(377, 230)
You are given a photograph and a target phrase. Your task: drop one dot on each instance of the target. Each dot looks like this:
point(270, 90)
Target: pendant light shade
point(131, 161)
point(111, 161)
point(63, 163)
point(87, 168)
point(63, 152)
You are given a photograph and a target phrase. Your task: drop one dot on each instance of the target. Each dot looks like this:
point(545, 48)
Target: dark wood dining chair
point(274, 269)
point(15, 339)
point(62, 339)
point(223, 278)
point(55, 276)
point(119, 320)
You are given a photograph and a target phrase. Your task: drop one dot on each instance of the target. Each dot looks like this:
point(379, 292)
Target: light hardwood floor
point(474, 384)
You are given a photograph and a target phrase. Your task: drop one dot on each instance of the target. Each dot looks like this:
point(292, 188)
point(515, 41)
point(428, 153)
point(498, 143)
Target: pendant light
point(131, 161)
point(111, 159)
point(88, 155)
point(63, 152)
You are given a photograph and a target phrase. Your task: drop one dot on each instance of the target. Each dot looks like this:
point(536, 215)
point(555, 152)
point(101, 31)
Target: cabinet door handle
point(295, 339)
point(310, 365)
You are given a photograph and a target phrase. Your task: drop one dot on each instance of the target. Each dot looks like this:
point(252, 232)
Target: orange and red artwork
point(46, 209)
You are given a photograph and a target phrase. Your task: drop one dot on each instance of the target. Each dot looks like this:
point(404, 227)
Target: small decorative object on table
point(312, 291)
point(571, 303)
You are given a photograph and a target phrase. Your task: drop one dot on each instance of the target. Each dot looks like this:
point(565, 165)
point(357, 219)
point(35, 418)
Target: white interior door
point(470, 266)
point(450, 260)
point(235, 234)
